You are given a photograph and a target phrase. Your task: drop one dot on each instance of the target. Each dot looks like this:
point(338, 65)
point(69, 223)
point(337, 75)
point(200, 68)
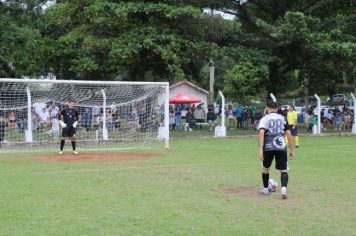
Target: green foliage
point(299, 35)
point(21, 51)
point(293, 28)
point(148, 39)
point(245, 81)
point(175, 40)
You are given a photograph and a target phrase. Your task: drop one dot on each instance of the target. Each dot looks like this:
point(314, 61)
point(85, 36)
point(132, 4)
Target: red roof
point(183, 98)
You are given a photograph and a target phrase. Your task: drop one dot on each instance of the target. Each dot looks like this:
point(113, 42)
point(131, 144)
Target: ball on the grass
point(272, 185)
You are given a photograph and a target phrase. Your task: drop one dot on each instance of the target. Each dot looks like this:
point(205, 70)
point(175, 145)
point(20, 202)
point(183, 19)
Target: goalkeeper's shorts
point(68, 131)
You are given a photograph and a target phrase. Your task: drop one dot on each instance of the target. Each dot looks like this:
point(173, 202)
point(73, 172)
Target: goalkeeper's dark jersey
point(69, 116)
point(274, 125)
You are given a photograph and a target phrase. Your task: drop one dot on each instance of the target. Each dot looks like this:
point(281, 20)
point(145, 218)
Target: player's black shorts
point(294, 131)
point(280, 157)
point(68, 131)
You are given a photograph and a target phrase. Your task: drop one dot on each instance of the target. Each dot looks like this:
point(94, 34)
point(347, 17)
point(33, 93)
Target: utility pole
point(306, 93)
point(212, 80)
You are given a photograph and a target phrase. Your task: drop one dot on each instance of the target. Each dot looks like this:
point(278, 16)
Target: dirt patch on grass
point(242, 191)
point(98, 157)
point(273, 201)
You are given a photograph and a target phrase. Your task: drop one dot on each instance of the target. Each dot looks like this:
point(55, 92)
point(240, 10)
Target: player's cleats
point(60, 153)
point(284, 193)
point(264, 191)
point(75, 153)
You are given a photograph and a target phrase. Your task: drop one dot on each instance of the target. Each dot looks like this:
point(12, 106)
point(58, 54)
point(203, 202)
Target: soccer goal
point(112, 115)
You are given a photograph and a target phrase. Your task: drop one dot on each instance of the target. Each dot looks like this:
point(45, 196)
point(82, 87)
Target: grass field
point(198, 187)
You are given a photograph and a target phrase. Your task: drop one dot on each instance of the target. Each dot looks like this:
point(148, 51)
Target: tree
point(246, 81)
point(125, 39)
point(299, 35)
point(21, 52)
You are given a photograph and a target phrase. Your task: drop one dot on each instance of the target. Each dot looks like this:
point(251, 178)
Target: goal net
point(112, 115)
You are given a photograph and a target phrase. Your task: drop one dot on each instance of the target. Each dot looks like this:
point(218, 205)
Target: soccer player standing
point(271, 131)
point(292, 118)
point(68, 119)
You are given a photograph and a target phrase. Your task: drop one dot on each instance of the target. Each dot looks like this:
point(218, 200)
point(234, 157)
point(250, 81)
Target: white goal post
point(112, 114)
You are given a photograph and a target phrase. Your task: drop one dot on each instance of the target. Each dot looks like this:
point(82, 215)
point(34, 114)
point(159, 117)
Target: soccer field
point(198, 187)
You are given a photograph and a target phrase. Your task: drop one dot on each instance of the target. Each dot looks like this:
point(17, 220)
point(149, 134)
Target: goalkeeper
point(68, 119)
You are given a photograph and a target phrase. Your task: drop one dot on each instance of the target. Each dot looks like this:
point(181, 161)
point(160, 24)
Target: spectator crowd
point(337, 118)
point(143, 118)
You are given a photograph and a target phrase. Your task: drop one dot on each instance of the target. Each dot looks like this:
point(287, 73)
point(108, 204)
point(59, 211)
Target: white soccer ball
point(272, 185)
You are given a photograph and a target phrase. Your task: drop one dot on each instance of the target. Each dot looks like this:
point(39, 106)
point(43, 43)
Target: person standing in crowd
point(337, 120)
point(211, 116)
point(312, 121)
point(230, 116)
point(252, 116)
point(12, 121)
point(346, 113)
point(292, 118)
point(86, 118)
point(245, 117)
point(239, 116)
point(172, 120)
point(189, 117)
point(44, 119)
point(178, 119)
point(116, 120)
point(3, 125)
point(199, 115)
point(53, 113)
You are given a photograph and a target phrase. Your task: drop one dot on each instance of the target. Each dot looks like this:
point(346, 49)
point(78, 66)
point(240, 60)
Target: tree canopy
point(280, 46)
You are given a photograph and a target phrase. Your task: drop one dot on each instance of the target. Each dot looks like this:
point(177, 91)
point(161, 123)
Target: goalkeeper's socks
point(284, 179)
point(265, 178)
point(73, 145)
point(62, 144)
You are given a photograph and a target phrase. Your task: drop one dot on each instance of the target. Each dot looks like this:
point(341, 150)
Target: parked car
point(326, 108)
point(338, 99)
point(301, 101)
point(283, 107)
point(301, 112)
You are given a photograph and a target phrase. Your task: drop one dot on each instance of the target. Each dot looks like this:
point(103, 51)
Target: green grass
point(183, 191)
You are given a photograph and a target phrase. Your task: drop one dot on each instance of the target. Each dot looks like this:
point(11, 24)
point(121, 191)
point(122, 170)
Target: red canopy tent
point(183, 98)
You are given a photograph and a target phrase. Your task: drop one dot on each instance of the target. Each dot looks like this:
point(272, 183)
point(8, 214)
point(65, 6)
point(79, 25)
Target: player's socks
point(62, 144)
point(284, 193)
point(73, 145)
point(296, 141)
point(284, 179)
point(265, 178)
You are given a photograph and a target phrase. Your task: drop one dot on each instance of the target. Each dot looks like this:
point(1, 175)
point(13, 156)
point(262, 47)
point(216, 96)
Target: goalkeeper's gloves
point(62, 124)
point(75, 124)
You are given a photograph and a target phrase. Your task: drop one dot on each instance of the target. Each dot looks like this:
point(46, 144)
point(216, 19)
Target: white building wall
point(184, 88)
point(187, 89)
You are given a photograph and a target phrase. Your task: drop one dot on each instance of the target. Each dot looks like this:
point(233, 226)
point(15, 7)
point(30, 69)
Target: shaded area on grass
point(98, 157)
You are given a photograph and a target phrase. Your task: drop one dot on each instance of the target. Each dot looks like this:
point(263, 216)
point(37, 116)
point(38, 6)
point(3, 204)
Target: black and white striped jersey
point(274, 125)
